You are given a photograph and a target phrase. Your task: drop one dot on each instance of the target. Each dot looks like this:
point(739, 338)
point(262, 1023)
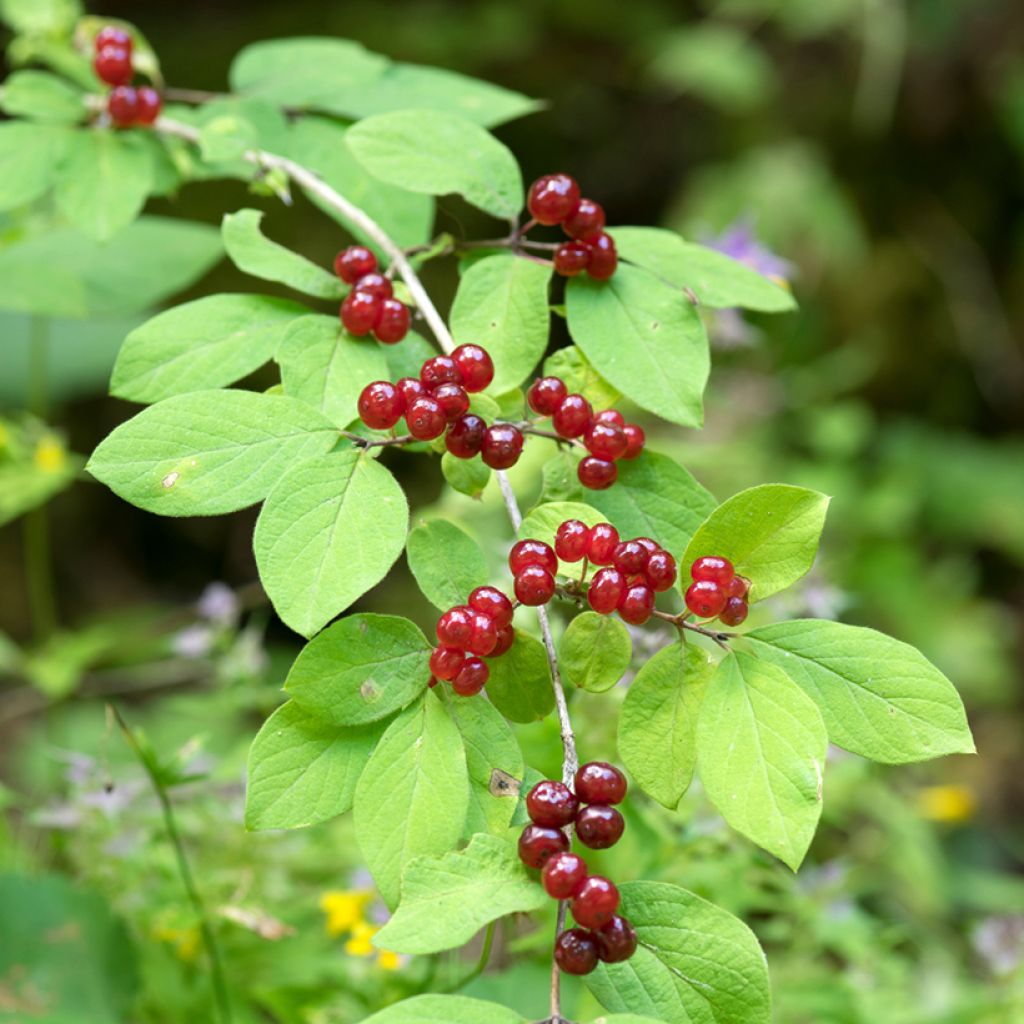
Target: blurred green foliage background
point(877, 146)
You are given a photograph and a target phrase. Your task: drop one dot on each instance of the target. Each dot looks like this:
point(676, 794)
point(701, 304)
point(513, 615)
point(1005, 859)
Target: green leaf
point(695, 963)
point(658, 721)
point(880, 698)
point(446, 562)
point(208, 452)
point(447, 900)
point(769, 533)
point(412, 797)
point(361, 669)
point(211, 342)
point(330, 530)
point(439, 1009)
point(542, 521)
point(761, 747)
point(253, 253)
point(559, 478)
point(467, 476)
point(655, 497)
point(594, 652)
point(103, 181)
point(718, 281)
point(33, 469)
point(303, 770)
point(327, 368)
point(520, 682)
point(40, 96)
point(645, 338)
point(41, 17)
point(502, 304)
point(580, 377)
point(29, 157)
point(436, 153)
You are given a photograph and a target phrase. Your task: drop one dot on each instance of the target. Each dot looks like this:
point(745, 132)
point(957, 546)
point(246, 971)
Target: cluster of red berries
point(593, 900)
point(717, 592)
point(606, 435)
point(371, 305)
point(112, 62)
point(468, 633)
point(555, 199)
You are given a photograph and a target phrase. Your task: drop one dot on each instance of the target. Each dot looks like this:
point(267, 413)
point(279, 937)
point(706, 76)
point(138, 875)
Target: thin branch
point(374, 442)
point(720, 637)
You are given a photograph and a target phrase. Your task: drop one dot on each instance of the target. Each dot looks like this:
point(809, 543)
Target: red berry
point(493, 602)
point(599, 782)
point(503, 444)
point(634, 440)
point(392, 322)
point(354, 262)
point(705, 598)
point(455, 627)
point(532, 552)
point(603, 257)
point(359, 312)
point(552, 804)
point(661, 571)
point(484, 636)
point(735, 611)
point(506, 638)
point(113, 64)
point(596, 474)
point(453, 400)
point(149, 106)
point(445, 662)
point(585, 221)
point(636, 604)
point(440, 370)
point(612, 416)
point(601, 543)
point(651, 546)
point(475, 366)
point(616, 941)
point(552, 198)
point(537, 844)
point(606, 588)
point(411, 388)
point(571, 540)
point(534, 585)
point(572, 417)
point(599, 826)
point(594, 903)
point(425, 418)
point(375, 284)
point(738, 586)
point(571, 258)
point(563, 874)
point(465, 436)
point(123, 106)
point(576, 951)
point(712, 567)
point(546, 395)
point(605, 440)
point(630, 557)
point(471, 677)
point(112, 35)
point(381, 405)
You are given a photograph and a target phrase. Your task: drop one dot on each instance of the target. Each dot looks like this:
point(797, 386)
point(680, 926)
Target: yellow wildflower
point(185, 940)
point(359, 942)
point(344, 909)
point(388, 961)
point(50, 455)
point(949, 804)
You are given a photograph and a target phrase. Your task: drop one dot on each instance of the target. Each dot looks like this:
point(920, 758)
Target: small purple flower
point(192, 641)
point(739, 242)
point(218, 604)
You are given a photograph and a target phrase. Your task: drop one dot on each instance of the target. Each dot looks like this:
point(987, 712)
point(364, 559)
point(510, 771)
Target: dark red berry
point(354, 262)
point(603, 257)
point(465, 436)
point(149, 106)
point(601, 543)
point(375, 284)
point(506, 638)
point(576, 951)
point(484, 635)
point(425, 418)
point(503, 444)
point(445, 662)
point(552, 198)
point(651, 546)
point(112, 35)
point(616, 941)
point(493, 602)
point(571, 540)
point(735, 611)
point(594, 903)
point(411, 388)
point(532, 552)
point(455, 627)
point(630, 557)
point(359, 312)
point(636, 604)
point(705, 598)
point(546, 395)
point(572, 417)
point(596, 474)
point(586, 221)
point(392, 322)
point(563, 874)
point(599, 782)
point(534, 585)
point(599, 826)
point(123, 106)
point(605, 440)
point(612, 416)
point(712, 567)
point(475, 366)
point(471, 677)
point(635, 439)
point(113, 64)
point(606, 588)
point(537, 844)
point(552, 804)
point(453, 400)
point(381, 405)
point(661, 571)
point(738, 586)
point(440, 370)
point(571, 258)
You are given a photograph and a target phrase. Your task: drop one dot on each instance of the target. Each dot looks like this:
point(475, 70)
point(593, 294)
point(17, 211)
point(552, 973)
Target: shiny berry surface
point(375, 284)
point(112, 35)
point(606, 588)
point(599, 782)
point(445, 662)
point(506, 638)
point(712, 567)
point(661, 571)
point(546, 395)
point(392, 322)
point(616, 940)
point(440, 370)
point(359, 312)
point(612, 416)
point(563, 874)
point(453, 400)
point(738, 586)
point(552, 804)
point(534, 586)
point(630, 557)
point(455, 627)
point(599, 827)
point(603, 257)
point(576, 951)
point(411, 388)
point(596, 474)
point(465, 436)
point(571, 540)
point(594, 903)
point(605, 440)
point(380, 405)
point(532, 552)
point(636, 604)
point(601, 543)
point(571, 258)
point(735, 611)
point(484, 635)
point(493, 602)
point(354, 262)
point(475, 365)
point(705, 598)
point(586, 221)
point(503, 444)
point(635, 440)
point(123, 106)
point(150, 103)
point(552, 198)
point(572, 417)
point(113, 64)
point(537, 844)
point(472, 677)
point(425, 418)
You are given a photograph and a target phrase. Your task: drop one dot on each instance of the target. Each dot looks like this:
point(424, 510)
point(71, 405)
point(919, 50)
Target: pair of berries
point(555, 199)
point(533, 564)
point(468, 633)
point(112, 63)
point(717, 592)
point(606, 435)
point(593, 899)
point(371, 305)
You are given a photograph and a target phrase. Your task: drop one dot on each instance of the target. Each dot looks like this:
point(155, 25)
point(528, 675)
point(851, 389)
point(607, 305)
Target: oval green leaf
point(594, 652)
point(446, 562)
point(520, 682)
